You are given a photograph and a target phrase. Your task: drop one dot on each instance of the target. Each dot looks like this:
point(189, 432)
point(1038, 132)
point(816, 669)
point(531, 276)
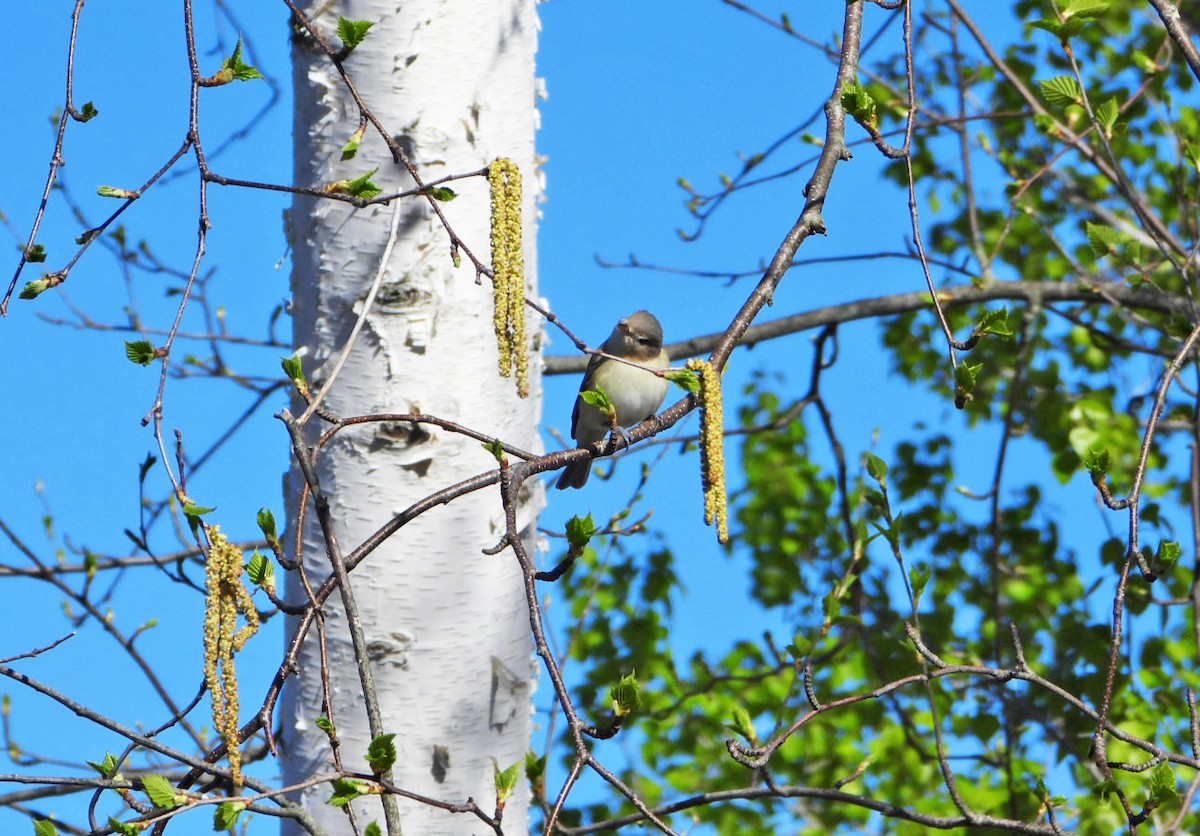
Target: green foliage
point(1061, 92)
point(381, 753)
point(440, 193)
point(626, 696)
point(935, 526)
point(34, 289)
point(194, 514)
point(107, 768)
point(859, 104)
point(44, 827)
point(535, 767)
point(496, 448)
point(1098, 463)
point(346, 790)
point(140, 352)
point(994, 323)
point(159, 791)
point(260, 570)
point(360, 187)
point(226, 816)
point(506, 782)
point(741, 723)
point(353, 32)
point(350, 149)
point(598, 398)
point(580, 532)
point(234, 69)
point(685, 379)
point(266, 524)
point(1075, 15)
point(966, 375)
point(292, 368)
point(113, 191)
point(124, 828)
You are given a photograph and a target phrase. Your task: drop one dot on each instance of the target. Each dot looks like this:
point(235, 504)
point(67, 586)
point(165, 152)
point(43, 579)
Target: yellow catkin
point(712, 448)
point(226, 598)
point(508, 269)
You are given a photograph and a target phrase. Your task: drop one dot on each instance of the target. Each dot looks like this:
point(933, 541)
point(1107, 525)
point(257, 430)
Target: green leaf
point(34, 289)
point(859, 104)
point(1098, 462)
point(35, 253)
point(535, 767)
point(124, 829)
point(1073, 18)
point(226, 815)
point(1106, 791)
point(965, 377)
point(140, 352)
point(741, 723)
point(1049, 24)
point(345, 791)
point(44, 827)
point(580, 532)
point(325, 724)
point(441, 193)
point(626, 696)
point(234, 69)
point(877, 468)
point(293, 368)
point(196, 511)
point(353, 32)
point(994, 323)
point(159, 791)
point(373, 829)
point(1162, 786)
point(506, 782)
point(919, 577)
point(358, 187)
point(381, 754)
point(1061, 91)
point(1168, 553)
point(1103, 240)
point(685, 379)
point(266, 524)
point(496, 448)
point(107, 768)
point(800, 647)
point(260, 570)
point(350, 149)
point(598, 399)
point(1106, 114)
point(1085, 8)
point(88, 112)
point(113, 191)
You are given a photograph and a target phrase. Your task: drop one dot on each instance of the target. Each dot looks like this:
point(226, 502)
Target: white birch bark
point(447, 626)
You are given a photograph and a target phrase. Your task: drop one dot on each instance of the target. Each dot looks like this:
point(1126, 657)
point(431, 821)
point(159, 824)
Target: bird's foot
point(620, 431)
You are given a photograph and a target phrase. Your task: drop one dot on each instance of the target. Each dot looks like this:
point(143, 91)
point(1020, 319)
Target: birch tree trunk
point(446, 625)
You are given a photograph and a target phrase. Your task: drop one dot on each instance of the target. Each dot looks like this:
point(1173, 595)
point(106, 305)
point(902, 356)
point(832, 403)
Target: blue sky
point(640, 95)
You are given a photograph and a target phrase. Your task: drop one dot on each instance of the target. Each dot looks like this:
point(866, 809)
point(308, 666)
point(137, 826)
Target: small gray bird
point(635, 393)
